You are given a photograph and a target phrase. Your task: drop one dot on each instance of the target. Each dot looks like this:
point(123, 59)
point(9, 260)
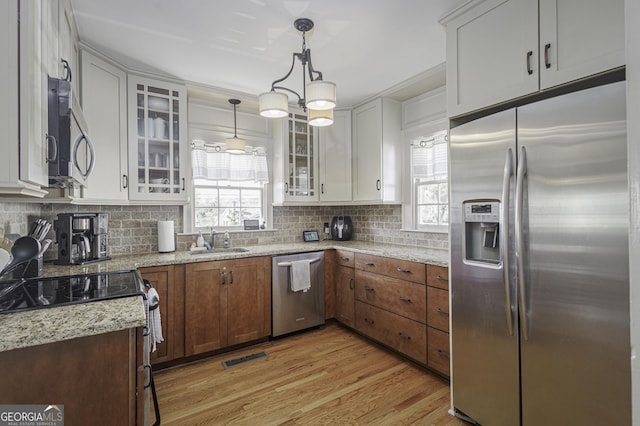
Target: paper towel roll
point(166, 238)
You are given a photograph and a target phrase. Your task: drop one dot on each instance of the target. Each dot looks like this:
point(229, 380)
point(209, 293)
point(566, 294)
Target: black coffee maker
point(81, 237)
point(341, 228)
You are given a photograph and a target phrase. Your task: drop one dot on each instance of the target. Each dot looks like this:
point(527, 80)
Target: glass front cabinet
point(158, 148)
point(299, 160)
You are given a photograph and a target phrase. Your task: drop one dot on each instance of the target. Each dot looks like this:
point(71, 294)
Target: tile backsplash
point(374, 223)
point(133, 229)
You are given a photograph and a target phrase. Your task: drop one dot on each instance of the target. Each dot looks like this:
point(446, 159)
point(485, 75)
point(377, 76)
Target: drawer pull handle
point(443, 353)
point(368, 321)
point(406, 271)
point(344, 259)
point(441, 278)
point(231, 273)
point(369, 264)
point(404, 299)
point(350, 283)
point(404, 336)
point(224, 277)
point(442, 311)
point(369, 289)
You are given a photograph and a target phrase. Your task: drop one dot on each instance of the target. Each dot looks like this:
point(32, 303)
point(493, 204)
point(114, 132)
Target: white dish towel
point(154, 325)
point(300, 278)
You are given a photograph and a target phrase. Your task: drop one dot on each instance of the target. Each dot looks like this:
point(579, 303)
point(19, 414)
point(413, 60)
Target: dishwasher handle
point(289, 263)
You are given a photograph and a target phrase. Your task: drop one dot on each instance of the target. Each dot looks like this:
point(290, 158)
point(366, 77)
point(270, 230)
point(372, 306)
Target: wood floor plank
point(325, 376)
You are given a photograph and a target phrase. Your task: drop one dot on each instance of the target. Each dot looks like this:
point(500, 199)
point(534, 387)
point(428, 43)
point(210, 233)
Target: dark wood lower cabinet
point(226, 303)
point(407, 336)
point(96, 378)
point(345, 295)
point(402, 304)
point(169, 283)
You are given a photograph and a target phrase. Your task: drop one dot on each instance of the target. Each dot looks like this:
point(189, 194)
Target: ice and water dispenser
point(481, 220)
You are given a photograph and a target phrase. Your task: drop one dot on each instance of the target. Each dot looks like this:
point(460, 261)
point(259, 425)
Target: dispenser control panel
point(482, 212)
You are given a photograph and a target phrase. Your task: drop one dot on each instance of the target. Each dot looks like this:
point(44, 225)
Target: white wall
point(632, 15)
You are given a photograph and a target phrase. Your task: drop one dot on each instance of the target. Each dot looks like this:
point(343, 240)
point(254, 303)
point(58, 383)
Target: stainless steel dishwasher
point(294, 311)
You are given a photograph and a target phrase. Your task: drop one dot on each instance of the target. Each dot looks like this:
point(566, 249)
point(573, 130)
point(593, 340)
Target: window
point(429, 159)
point(227, 188)
point(226, 204)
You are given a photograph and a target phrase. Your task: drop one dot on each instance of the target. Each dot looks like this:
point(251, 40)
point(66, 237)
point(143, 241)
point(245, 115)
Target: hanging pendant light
point(235, 145)
point(320, 117)
point(318, 95)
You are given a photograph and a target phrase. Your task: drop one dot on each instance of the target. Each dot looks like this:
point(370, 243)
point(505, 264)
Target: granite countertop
point(431, 256)
point(47, 325)
point(36, 327)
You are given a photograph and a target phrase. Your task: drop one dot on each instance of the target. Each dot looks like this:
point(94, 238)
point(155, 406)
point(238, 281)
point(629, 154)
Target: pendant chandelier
point(318, 96)
point(235, 145)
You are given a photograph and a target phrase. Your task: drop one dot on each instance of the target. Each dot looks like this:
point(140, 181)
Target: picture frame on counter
point(310, 236)
point(251, 224)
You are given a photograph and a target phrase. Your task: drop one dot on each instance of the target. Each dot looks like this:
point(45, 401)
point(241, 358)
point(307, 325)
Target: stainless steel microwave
point(71, 155)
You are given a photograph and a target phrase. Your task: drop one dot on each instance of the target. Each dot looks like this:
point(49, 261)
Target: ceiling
point(366, 47)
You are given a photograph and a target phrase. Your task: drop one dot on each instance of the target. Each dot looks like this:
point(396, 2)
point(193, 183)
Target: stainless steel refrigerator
point(539, 263)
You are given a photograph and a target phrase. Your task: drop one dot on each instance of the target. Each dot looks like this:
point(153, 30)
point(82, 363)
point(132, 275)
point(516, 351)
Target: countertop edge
point(70, 322)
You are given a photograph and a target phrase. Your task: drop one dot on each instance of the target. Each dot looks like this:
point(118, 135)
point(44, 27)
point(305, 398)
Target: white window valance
point(429, 157)
point(210, 161)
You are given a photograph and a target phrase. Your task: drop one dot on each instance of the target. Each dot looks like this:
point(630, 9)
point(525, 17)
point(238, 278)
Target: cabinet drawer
point(438, 276)
point(438, 308)
point(402, 269)
point(401, 297)
point(345, 258)
point(399, 333)
point(438, 349)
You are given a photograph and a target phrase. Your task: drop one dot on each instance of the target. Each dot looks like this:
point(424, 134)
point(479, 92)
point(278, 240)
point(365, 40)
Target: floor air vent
point(245, 358)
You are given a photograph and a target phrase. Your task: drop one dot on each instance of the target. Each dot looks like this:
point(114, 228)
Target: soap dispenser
point(226, 240)
point(200, 240)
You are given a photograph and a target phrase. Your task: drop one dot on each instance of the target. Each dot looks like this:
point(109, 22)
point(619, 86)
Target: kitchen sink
point(220, 251)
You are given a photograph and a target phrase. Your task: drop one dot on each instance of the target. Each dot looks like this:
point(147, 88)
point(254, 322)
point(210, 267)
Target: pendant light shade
point(321, 95)
point(273, 104)
point(235, 145)
point(320, 118)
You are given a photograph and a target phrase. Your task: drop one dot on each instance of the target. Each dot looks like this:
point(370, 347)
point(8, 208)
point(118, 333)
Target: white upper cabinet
point(579, 38)
point(335, 159)
point(499, 50)
point(295, 160)
point(158, 147)
point(23, 109)
point(104, 103)
point(377, 154)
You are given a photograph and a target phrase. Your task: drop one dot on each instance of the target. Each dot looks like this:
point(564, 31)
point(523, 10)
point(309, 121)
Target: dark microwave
point(71, 155)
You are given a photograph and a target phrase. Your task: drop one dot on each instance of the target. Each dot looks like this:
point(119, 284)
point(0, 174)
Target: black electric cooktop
point(36, 293)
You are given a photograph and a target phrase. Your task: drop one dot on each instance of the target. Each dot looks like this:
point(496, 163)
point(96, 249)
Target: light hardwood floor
point(328, 376)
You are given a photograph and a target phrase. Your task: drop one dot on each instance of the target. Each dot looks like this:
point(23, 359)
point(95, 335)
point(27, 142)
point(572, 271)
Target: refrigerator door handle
point(504, 237)
point(522, 299)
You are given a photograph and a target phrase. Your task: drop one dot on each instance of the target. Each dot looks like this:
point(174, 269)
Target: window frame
point(218, 185)
point(416, 182)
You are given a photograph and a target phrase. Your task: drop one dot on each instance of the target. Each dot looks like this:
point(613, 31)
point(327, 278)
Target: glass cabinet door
point(159, 122)
point(301, 177)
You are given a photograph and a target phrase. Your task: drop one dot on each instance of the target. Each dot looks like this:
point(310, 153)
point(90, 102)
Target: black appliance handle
point(66, 68)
